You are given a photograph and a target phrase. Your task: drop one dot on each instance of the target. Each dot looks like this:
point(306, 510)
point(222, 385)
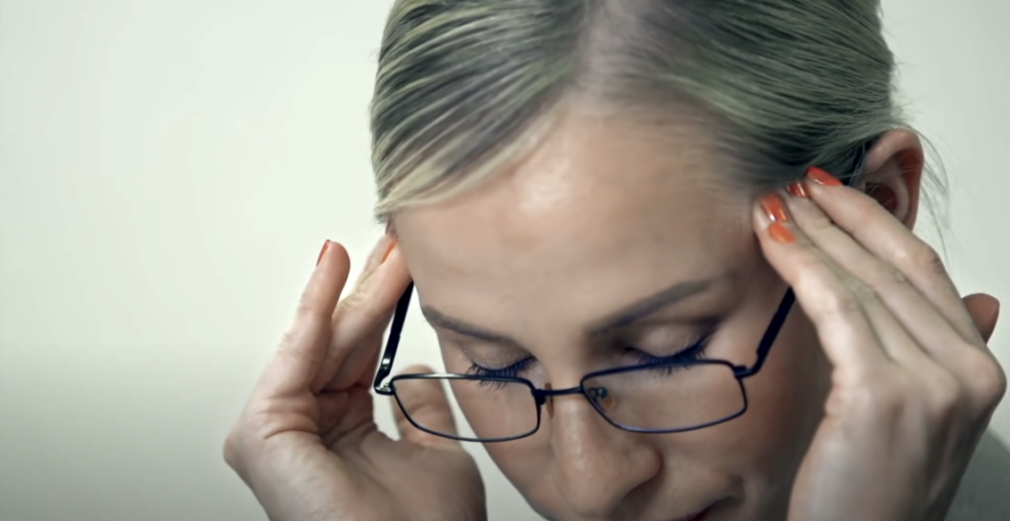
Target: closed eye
point(512, 370)
point(695, 351)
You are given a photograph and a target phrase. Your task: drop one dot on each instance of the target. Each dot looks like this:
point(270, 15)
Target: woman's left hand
point(913, 383)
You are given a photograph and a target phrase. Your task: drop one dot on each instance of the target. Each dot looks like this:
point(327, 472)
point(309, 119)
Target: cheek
point(527, 465)
point(786, 401)
point(765, 445)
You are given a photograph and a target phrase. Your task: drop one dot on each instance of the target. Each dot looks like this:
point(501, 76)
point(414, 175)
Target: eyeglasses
point(654, 398)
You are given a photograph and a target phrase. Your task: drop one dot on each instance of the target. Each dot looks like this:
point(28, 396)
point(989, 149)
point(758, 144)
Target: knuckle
point(308, 311)
point(881, 394)
point(944, 393)
point(833, 299)
point(885, 276)
point(230, 451)
point(291, 337)
point(818, 225)
point(893, 392)
point(841, 304)
point(861, 292)
point(923, 257)
point(988, 381)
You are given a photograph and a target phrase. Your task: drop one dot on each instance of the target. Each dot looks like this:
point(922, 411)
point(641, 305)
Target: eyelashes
point(695, 351)
point(511, 371)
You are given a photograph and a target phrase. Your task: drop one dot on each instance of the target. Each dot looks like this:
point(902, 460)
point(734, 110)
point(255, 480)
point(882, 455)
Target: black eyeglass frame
point(540, 396)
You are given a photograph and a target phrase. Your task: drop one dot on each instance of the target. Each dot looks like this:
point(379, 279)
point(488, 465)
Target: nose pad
point(596, 465)
point(603, 398)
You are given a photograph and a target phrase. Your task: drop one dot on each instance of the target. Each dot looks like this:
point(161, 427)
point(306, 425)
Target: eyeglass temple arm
point(790, 298)
point(771, 333)
point(393, 342)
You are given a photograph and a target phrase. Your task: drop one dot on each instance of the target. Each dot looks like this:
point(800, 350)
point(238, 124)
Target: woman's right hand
point(307, 443)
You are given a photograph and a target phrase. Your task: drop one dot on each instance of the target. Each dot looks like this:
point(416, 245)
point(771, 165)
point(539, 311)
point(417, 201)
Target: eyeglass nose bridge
point(544, 396)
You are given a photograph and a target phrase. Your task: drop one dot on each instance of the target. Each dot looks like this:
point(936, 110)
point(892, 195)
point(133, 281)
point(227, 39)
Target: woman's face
point(532, 274)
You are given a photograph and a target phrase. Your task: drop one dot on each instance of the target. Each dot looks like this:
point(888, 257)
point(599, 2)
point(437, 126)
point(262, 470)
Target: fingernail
point(322, 253)
point(392, 246)
point(773, 205)
point(822, 177)
point(780, 233)
point(796, 188)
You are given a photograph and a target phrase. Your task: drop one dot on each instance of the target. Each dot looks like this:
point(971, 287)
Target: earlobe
point(892, 173)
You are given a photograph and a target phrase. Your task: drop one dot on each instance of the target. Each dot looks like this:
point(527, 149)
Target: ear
point(892, 174)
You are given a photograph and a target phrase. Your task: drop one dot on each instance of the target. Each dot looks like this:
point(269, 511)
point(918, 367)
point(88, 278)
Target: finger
point(424, 402)
point(917, 315)
point(847, 335)
point(304, 345)
point(376, 257)
point(361, 320)
point(984, 311)
point(888, 238)
point(334, 356)
point(892, 336)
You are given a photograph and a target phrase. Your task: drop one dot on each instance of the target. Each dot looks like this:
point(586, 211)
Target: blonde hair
point(786, 84)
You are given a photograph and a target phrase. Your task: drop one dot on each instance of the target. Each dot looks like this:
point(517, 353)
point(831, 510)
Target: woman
point(607, 208)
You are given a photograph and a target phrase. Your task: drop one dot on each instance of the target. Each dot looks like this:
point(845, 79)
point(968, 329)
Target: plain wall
point(169, 171)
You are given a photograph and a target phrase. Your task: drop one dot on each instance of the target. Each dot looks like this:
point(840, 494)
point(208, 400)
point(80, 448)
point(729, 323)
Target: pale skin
point(869, 405)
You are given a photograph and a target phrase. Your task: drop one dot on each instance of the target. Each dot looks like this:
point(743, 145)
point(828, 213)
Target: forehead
point(604, 205)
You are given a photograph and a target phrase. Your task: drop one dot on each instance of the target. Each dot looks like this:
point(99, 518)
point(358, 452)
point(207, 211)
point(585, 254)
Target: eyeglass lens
point(652, 398)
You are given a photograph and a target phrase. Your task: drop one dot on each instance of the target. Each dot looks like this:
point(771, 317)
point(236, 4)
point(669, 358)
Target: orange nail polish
point(797, 189)
point(392, 246)
point(822, 177)
point(781, 233)
point(776, 209)
point(322, 253)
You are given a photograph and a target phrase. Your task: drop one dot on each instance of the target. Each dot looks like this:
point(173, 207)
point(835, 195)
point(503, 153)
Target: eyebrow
point(617, 320)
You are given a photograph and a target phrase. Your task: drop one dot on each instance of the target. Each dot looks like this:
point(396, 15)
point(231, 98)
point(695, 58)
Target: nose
point(596, 465)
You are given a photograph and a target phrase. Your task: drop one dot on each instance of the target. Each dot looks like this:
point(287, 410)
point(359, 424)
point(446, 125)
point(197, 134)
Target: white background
point(169, 170)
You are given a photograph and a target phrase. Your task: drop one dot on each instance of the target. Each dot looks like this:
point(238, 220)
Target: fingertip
point(781, 233)
point(329, 276)
point(333, 254)
point(769, 220)
point(761, 218)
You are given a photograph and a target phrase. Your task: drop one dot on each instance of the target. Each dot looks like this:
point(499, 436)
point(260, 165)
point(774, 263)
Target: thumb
point(423, 405)
point(984, 310)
